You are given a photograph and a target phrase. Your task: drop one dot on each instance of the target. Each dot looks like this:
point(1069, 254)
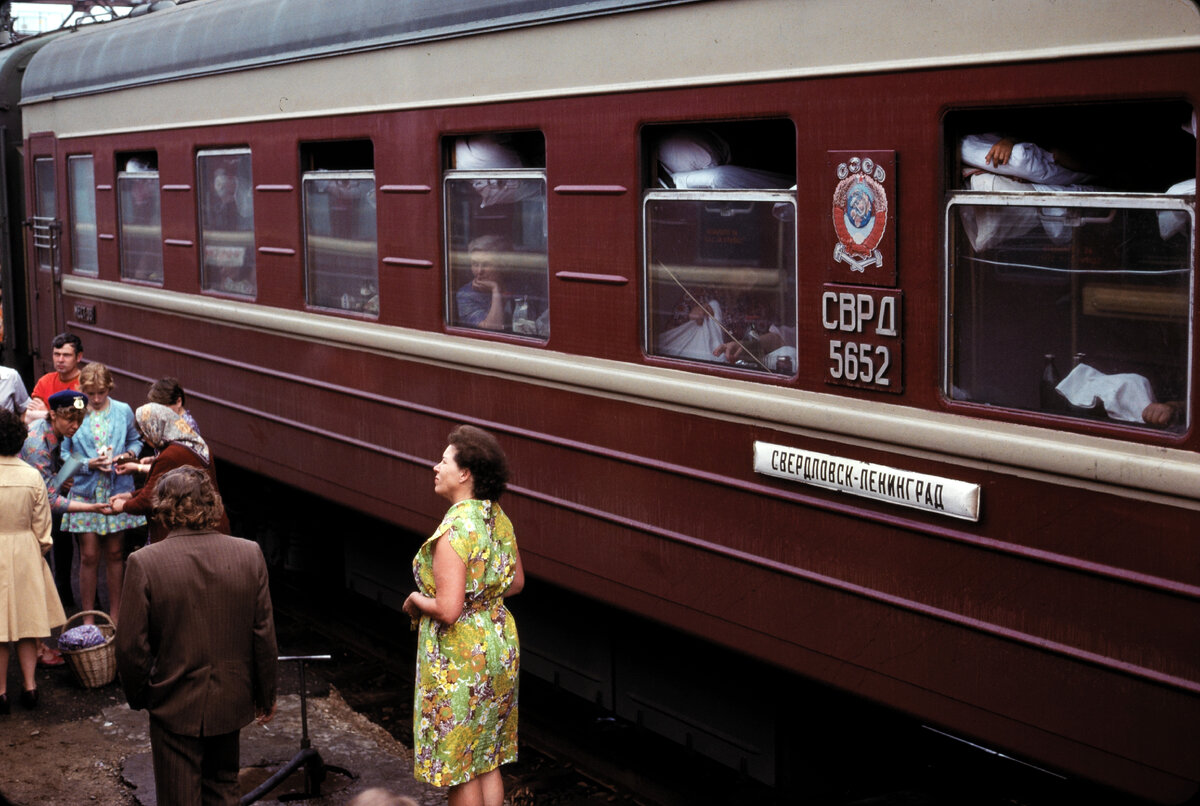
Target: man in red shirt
point(67, 354)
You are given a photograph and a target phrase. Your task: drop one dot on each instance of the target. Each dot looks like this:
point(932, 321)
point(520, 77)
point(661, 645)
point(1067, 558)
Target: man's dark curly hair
point(185, 498)
point(478, 451)
point(12, 433)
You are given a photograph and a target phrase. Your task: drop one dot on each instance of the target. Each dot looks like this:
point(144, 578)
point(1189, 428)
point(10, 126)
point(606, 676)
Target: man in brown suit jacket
point(196, 643)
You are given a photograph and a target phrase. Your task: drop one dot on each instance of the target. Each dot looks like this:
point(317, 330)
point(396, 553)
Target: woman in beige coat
point(29, 603)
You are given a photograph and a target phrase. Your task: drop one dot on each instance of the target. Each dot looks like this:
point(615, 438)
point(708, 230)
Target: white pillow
point(692, 150)
point(483, 152)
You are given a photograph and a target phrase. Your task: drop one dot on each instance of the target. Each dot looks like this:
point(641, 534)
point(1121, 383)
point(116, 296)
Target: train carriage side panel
point(635, 481)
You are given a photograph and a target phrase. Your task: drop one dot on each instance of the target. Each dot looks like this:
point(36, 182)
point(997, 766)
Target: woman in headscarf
point(178, 445)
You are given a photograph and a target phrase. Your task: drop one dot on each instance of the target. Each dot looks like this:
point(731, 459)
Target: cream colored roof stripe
point(703, 43)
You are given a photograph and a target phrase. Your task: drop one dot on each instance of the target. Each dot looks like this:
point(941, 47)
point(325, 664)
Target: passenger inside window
point(720, 244)
point(497, 298)
point(1085, 280)
point(496, 232)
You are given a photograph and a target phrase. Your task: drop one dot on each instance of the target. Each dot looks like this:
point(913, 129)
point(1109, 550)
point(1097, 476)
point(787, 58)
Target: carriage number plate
point(864, 342)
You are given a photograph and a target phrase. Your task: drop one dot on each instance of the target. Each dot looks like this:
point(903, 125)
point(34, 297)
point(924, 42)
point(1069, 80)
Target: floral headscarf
point(161, 426)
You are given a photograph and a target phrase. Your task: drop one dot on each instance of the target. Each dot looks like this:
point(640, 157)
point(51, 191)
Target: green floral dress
point(465, 706)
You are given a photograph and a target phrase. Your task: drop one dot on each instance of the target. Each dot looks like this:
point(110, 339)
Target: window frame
point(44, 242)
point(449, 312)
point(317, 175)
point(1155, 202)
point(125, 175)
point(233, 151)
point(771, 196)
point(73, 221)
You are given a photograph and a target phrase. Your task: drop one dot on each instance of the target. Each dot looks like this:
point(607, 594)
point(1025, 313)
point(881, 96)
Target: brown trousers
point(195, 770)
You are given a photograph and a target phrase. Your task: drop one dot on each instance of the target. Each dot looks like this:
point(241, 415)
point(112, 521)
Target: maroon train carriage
point(783, 353)
point(15, 348)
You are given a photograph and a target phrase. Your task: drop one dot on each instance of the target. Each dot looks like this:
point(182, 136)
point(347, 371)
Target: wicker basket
point(95, 666)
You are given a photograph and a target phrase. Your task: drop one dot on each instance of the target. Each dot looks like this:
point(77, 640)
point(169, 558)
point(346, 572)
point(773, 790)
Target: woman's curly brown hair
point(478, 451)
point(12, 433)
point(185, 498)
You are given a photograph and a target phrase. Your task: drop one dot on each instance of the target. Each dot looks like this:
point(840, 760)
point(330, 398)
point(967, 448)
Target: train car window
point(719, 212)
point(81, 178)
point(1070, 237)
point(140, 214)
point(46, 213)
point(497, 267)
point(226, 200)
point(341, 251)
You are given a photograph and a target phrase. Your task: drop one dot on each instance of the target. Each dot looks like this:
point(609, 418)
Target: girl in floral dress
point(468, 657)
point(107, 437)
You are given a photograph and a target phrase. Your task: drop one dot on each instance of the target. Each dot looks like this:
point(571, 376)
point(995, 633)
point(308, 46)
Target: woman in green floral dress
point(465, 706)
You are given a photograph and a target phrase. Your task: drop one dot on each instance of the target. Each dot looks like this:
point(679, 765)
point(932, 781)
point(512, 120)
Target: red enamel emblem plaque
point(863, 251)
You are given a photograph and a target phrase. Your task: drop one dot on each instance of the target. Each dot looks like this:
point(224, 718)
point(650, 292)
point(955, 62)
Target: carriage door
point(9, 282)
point(45, 233)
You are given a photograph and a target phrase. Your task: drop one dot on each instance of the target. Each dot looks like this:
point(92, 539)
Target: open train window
point(1070, 241)
point(81, 177)
point(226, 196)
point(497, 276)
point(718, 217)
point(45, 220)
point(140, 214)
point(340, 247)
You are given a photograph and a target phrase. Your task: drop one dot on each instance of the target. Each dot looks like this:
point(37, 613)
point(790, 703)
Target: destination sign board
point(943, 496)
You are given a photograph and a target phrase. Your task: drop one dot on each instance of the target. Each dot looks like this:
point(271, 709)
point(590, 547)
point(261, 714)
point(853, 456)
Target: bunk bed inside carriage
point(1070, 256)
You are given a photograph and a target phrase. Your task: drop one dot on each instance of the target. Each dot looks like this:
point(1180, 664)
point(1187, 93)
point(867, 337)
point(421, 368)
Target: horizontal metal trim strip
point(177, 187)
point(178, 242)
point(592, 190)
point(1002, 447)
point(274, 188)
point(408, 261)
point(104, 187)
point(1070, 199)
point(276, 250)
point(587, 277)
point(405, 189)
point(106, 236)
point(860, 591)
point(863, 592)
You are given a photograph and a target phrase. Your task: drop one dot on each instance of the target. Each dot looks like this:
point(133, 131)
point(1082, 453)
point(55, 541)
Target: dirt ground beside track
point(85, 746)
point(63, 752)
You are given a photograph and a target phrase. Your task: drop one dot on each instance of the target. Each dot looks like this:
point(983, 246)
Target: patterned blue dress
point(98, 429)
